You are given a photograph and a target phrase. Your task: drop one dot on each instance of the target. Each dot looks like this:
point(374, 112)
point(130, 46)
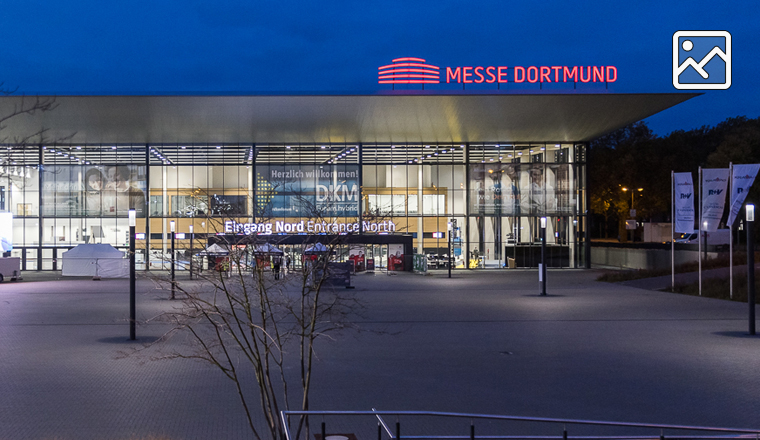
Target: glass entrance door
point(379, 252)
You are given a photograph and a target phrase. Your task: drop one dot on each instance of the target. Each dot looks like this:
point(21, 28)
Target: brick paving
point(481, 342)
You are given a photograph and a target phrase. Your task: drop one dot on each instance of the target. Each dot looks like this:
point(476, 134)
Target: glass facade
point(494, 193)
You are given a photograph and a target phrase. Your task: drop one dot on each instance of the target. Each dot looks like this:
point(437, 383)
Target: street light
point(633, 211)
point(171, 227)
point(132, 223)
point(625, 189)
point(191, 252)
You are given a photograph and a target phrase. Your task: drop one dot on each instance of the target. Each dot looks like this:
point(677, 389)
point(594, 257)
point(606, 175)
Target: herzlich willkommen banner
point(684, 201)
point(741, 181)
point(714, 184)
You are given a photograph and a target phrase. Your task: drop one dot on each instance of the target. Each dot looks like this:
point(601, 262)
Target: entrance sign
point(714, 183)
point(684, 203)
point(307, 227)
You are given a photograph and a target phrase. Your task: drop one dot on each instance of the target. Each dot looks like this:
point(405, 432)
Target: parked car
point(714, 238)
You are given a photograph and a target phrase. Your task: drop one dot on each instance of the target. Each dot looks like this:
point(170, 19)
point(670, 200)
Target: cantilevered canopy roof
point(337, 118)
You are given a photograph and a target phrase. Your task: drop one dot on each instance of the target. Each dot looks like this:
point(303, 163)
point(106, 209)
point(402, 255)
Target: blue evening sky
point(245, 47)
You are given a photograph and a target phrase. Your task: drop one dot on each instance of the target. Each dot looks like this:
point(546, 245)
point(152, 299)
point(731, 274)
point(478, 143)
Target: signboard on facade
point(93, 191)
point(307, 190)
point(521, 189)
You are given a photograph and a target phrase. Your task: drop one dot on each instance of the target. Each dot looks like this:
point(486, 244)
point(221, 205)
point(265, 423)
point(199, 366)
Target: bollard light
point(174, 286)
point(750, 210)
point(542, 265)
point(191, 252)
point(132, 307)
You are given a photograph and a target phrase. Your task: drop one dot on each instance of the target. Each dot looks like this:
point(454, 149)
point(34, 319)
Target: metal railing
point(343, 425)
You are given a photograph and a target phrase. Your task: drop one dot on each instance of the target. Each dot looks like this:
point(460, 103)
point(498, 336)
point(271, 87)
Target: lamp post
point(542, 265)
point(750, 211)
point(191, 252)
point(633, 208)
point(171, 226)
point(132, 223)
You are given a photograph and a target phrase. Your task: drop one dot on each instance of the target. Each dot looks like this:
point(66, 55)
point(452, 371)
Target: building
point(391, 171)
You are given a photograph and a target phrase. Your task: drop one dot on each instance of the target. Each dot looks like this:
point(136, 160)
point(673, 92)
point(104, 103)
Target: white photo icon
point(702, 60)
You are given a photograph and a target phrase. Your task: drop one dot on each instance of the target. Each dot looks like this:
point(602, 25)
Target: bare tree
point(22, 106)
point(257, 329)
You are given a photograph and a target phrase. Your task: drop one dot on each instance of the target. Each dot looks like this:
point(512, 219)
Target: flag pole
point(672, 231)
point(699, 232)
point(730, 232)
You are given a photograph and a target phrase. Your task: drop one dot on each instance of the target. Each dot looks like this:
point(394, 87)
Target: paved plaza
point(481, 342)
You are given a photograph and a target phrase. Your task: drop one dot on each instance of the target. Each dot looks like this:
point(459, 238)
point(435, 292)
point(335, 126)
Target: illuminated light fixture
point(520, 153)
point(490, 160)
point(79, 148)
point(87, 163)
point(44, 148)
point(482, 161)
point(444, 151)
point(500, 158)
point(435, 154)
point(556, 145)
point(490, 171)
point(184, 147)
point(410, 161)
point(52, 150)
point(323, 147)
point(114, 147)
point(531, 151)
point(543, 148)
point(287, 146)
point(427, 146)
point(428, 156)
point(218, 147)
point(393, 146)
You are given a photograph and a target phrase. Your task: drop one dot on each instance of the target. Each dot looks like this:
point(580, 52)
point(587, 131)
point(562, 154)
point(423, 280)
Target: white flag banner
point(714, 184)
point(741, 181)
point(684, 202)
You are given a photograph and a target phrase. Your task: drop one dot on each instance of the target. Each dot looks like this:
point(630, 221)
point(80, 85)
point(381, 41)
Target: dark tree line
point(635, 158)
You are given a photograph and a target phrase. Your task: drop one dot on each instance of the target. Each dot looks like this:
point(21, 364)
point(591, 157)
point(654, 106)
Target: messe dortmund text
point(307, 227)
point(531, 74)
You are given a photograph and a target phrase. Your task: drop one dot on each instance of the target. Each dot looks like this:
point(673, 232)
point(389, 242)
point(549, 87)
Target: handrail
point(382, 422)
point(377, 414)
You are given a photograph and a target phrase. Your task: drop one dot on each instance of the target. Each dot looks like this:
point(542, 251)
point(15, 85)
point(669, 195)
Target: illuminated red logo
point(409, 71)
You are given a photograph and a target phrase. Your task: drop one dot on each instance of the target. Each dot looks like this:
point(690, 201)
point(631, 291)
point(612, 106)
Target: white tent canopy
point(95, 260)
point(267, 248)
point(214, 249)
point(316, 248)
